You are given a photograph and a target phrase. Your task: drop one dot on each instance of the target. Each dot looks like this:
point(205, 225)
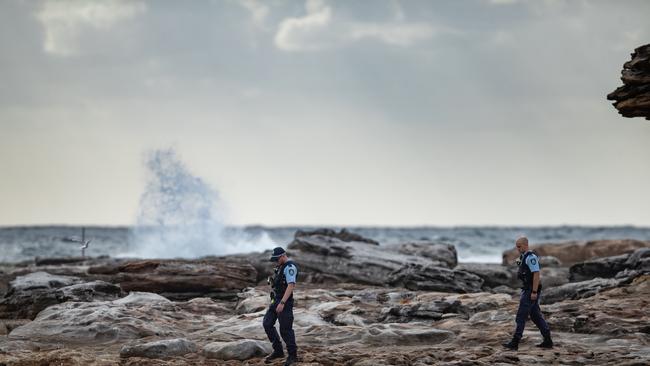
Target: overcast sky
point(325, 112)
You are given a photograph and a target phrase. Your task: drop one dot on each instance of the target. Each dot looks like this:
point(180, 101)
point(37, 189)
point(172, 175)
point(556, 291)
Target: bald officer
point(529, 275)
point(281, 308)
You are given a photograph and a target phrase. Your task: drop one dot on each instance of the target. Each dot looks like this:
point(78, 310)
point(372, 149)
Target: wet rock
point(554, 276)
point(579, 290)
point(573, 252)
point(549, 261)
point(633, 98)
point(159, 349)
point(238, 350)
point(343, 261)
point(606, 267)
point(431, 278)
point(441, 254)
point(44, 261)
point(493, 275)
point(639, 260)
point(30, 294)
point(610, 267)
point(182, 279)
point(343, 235)
point(504, 290)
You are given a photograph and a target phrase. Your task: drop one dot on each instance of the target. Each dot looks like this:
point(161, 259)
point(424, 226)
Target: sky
point(400, 113)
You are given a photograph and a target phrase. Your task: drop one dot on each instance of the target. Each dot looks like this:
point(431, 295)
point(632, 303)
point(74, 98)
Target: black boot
point(290, 360)
point(547, 343)
point(513, 344)
point(273, 356)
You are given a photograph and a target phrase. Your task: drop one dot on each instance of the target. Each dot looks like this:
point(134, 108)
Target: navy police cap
point(277, 253)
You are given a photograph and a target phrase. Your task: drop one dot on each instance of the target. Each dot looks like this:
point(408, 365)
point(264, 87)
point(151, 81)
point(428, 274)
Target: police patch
point(292, 271)
point(533, 261)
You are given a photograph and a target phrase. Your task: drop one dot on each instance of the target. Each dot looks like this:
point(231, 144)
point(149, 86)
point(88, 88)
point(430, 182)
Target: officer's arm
point(288, 292)
point(535, 281)
point(533, 263)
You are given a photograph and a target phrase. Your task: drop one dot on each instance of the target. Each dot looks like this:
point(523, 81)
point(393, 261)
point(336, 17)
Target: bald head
point(522, 244)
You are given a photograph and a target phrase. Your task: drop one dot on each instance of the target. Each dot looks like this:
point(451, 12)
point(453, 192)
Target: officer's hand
point(279, 308)
point(533, 296)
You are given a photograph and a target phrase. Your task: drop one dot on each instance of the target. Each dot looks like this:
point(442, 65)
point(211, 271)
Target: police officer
point(283, 282)
point(529, 275)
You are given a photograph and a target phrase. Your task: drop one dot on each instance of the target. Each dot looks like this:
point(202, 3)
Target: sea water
point(474, 244)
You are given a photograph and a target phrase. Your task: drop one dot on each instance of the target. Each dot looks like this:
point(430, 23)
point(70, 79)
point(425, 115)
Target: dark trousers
point(286, 327)
point(530, 308)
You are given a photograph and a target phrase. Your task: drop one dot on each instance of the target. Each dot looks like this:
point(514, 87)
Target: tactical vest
point(525, 275)
point(280, 282)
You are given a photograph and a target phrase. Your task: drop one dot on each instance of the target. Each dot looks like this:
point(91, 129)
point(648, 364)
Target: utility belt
point(530, 288)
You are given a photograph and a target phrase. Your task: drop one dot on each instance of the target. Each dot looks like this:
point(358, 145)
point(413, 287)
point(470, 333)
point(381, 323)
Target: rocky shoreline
point(357, 303)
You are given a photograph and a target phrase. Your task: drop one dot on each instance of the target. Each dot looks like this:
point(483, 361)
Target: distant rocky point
point(633, 98)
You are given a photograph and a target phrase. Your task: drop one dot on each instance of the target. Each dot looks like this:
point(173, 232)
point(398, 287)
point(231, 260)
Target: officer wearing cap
point(529, 275)
point(283, 282)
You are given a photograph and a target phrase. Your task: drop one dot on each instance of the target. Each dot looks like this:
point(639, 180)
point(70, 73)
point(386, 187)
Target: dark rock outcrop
point(633, 98)
point(30, 294)
point(343, 235)
point(581, 290)
point(181, 279)
point(442, 254)
point(609, 267)
point(606, 267)
point(493, 275)
point(327, 258)
point(431, 278)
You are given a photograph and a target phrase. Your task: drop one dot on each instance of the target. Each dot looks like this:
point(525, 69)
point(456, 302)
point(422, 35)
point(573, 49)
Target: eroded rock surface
point(339, 325)
point(633, 98)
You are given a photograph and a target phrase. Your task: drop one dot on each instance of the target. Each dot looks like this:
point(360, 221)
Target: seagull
point(84, 242)
point(83, 247)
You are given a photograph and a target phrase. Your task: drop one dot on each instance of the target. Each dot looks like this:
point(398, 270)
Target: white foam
point(181, 215)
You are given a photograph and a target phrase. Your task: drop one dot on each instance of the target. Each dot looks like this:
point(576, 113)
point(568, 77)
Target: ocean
point(474, 244)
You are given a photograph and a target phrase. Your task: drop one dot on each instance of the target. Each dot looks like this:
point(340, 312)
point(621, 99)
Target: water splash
point(180, 215)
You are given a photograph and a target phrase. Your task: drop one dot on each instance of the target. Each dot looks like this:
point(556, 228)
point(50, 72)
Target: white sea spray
point(181, 215)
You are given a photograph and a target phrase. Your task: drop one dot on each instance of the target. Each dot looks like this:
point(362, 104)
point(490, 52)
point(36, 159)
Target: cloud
point(259, 11)
point(318, 30)
point(306, 33)
point(503, 2)
point(65, 20)
point(393, 34)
